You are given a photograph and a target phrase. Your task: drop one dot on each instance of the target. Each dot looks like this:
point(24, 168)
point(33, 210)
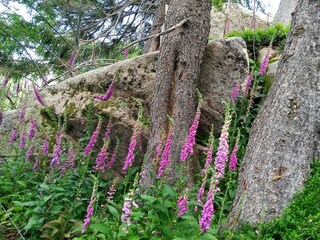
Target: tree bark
point(178, 69)
point(154, 43)
point(285, 136)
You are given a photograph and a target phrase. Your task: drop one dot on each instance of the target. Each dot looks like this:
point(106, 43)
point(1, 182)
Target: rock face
point(234, 17)
point(225, 63)
point(285, 10)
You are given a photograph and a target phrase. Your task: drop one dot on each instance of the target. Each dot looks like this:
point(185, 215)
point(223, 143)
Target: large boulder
point(285, 11)
point(225, 63)
point(234, 17)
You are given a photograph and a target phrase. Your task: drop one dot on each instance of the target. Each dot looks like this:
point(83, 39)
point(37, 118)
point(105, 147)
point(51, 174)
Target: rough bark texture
point(153, 44)
point(179, 63)
point(285, 137)
point(285, 10)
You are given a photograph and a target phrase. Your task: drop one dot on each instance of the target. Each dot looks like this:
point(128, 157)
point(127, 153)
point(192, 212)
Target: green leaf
point(114, 212)
point(149, 199)
point(99, 227)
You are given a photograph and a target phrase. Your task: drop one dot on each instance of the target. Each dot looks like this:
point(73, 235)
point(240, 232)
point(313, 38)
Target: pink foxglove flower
point(182, 205)
point(22, 113)
point(108, 94)
point(223, 149)
point(45, 146)
point(93, 140)
point(32, 130)
point(187, 149)
point(207, 211)
point(72, 58)
point(235, 92)
point(264, 64)
point(200, 194)
point(22, 141)
point(13, 136)
point(233, 159)
point(30, 152)
point(38, 96)
point(100, 163)
point(89, 214)
point(130, 156)
point(108, 131)
point(35, 164)
point(56, 150)
point(247, 84)
point(165, 160)
point(125, 53)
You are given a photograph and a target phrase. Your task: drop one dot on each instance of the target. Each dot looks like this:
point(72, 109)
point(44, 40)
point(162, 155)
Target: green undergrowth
point(261, 37)
point(300, 220)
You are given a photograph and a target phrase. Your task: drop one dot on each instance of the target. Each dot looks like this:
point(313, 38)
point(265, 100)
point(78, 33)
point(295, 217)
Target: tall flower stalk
point(100, 163)
point(90, 210)
point(233, 158)
point(182, 204)
point(165, 160)
point(130, 155)
point(32, 130)
point(38, 96)
point(108, 94)
point(187, 148)
point(57, 150)
point(264, 64)
point(93, 139)
point(45, 146)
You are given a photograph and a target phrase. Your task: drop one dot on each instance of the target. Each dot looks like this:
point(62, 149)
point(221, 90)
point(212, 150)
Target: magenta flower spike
point(165, 160)
point(223, 149)
point(235, 92)
point(125, 53)
point(56, 151)
point(13, 136)
point(38, 96)
point(130, 156)
point(207, 211)
point(89, 214)
point(32, 130)
point(248, 84)
point(100, 163)
point(45, 146)
point(233, 159)
point(264, 64)
point(4, 83)
point(187, 149)
point(30, 152)
point(35, 164)
point(108, 131)
point(108, 94)
point(22, 141)
point(72, 58)
point(22, 114)
point(182, 204)
point(112, 159)
point(93, 140)
point(200, 194)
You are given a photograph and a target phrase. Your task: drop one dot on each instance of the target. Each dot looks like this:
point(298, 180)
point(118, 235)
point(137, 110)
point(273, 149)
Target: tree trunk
point(285, 136)
point(153, 44)
point(178, 69)
point(285, 10)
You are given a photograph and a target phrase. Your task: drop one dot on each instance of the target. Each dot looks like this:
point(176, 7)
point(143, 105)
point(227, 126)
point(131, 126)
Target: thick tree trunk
point(285, 136)
point(153, 44)
point(285, 10)
point(181, 54)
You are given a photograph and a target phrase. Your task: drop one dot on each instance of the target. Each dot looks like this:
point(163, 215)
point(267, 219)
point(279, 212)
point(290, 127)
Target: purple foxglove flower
point(35, 164)
point(187, 149)
point(165, 160)
point(56, 150)
point(235, 92)
point(125, 53)
point(1, 117)
point(32, 130)
point(182, 204)
point(248, 84)
point(92, 141)
point(108, 94)
point(200, 194)
point(5, 82)
point(38, 96)
point(22, 113)
point(100, 163)
point(112, 159)
point(223, 149)
point(233, 159)
point(207, 211)
point(108, 131)
point(30, 152)
point(130, 156)
point(45, 146)
point(264, 64)
point(18, 87)
point(22, 141)
point(112, 190)
point(72, 58)
point(87, 219)
point(13, 136)
point(209, 158)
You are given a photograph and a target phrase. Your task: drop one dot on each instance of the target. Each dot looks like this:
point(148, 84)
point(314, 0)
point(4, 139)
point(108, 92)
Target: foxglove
point(108, 94)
